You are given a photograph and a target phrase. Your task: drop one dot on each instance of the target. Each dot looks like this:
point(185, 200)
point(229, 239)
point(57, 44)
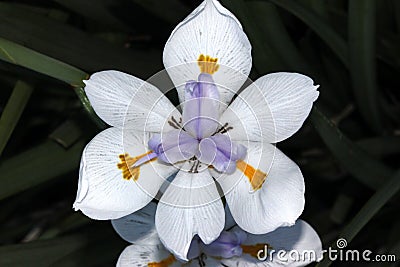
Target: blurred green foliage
point(348, 150)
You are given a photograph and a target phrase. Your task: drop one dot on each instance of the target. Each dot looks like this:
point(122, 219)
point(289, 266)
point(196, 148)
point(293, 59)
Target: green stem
point(88, 107)
point(13, 111)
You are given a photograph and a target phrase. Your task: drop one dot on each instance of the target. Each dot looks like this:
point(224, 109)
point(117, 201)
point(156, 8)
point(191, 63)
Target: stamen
point(254, 249)
point(207, 64)
point(173, 123)
point(174, 120)
point(201, 260)
point(195, 167)
point(256, 177)
point(164, 263)
point(127, 162)
point(224, 129)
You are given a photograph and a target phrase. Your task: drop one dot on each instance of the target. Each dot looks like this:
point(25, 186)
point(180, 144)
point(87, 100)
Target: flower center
point(198, 137)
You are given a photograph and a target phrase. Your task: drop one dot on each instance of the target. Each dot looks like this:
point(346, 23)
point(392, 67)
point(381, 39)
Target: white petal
point(214, 31)
point(271, 109)
point(300, 243)
point(141, 256)
point(191, 205)
point(121, 99)
point(280, 200)
point(138, 227)
point(103, 193)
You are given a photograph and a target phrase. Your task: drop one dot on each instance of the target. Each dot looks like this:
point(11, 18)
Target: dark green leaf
point(265, 61)
point(381, 146)
point(368, 171)
point(40, 253)
point(368, 211)
point(362, 60)
point(274, 32)
point(176, 11)
point(25, 57)
point(13, 111)
point(319, 26)
point(100, 12)
point(72, 46)
point(36, 166)
point(22, 56)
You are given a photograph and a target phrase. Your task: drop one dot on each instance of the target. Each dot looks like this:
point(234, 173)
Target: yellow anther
point(253, 250)
point(164, 263)
point(126, 163)
point(207, 64)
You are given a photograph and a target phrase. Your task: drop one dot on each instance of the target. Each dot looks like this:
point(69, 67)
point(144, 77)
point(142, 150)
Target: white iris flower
point(297, 245)
point(209, 145)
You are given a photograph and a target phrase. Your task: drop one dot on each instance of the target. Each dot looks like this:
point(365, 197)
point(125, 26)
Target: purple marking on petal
point(201, 107)
point(227, 245)
point(174, 146)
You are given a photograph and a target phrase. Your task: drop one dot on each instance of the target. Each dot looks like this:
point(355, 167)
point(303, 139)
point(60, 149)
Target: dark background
point(348, 149)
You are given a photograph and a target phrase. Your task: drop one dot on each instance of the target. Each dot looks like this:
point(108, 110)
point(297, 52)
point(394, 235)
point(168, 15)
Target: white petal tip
point(177, 255)
point(288, 224)
point(75, 207)
point(209, 240)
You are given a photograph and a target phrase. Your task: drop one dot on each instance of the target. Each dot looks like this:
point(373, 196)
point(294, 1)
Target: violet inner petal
point(201, 107)
point(174, 146)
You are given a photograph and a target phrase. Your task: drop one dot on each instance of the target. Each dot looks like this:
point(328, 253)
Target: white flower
point(208, 57)
point(297, 245)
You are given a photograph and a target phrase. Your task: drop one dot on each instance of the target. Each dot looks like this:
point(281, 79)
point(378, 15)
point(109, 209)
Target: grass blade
point(368, 211)
point(368, 171)
point(267, 15)
point(72, 46)
point(265, 61)
point(176, 11)
point(89, 109)
point(319, 26)
point(25, 57)
point(48, 160)
point(13, 111)
point(40, 253)
point(99, 12)
point(381, 146)
point(361, 33)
